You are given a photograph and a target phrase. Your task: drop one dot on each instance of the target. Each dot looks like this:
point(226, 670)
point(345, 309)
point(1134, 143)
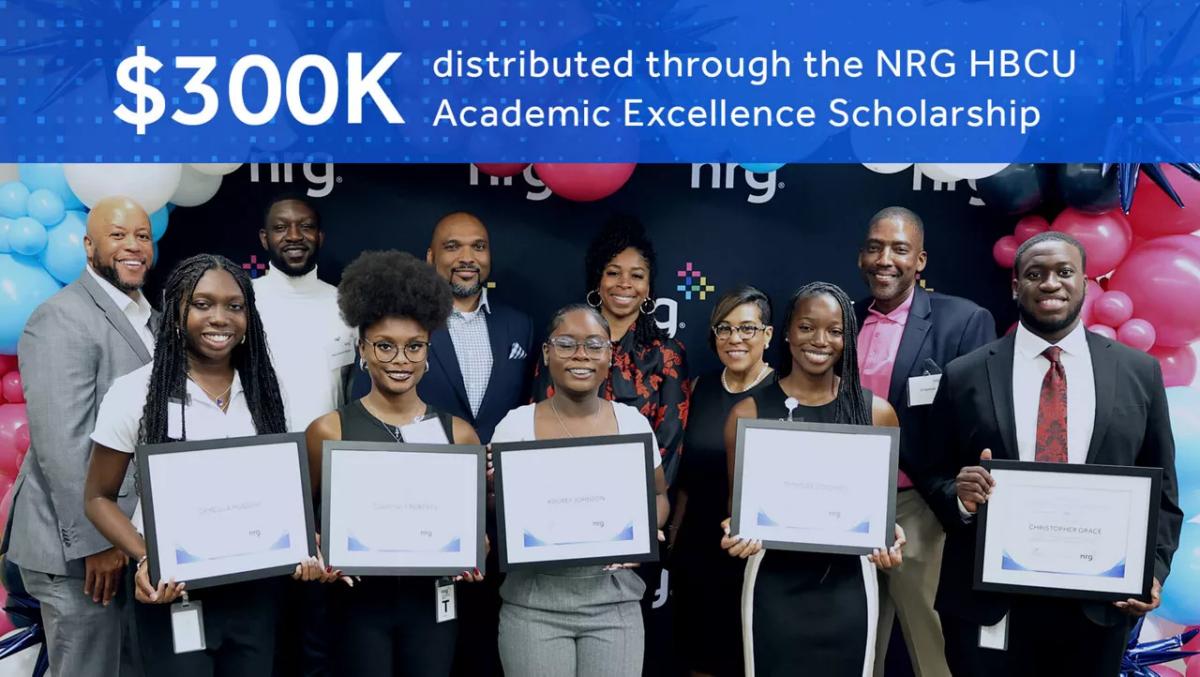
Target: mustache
point(472, 269)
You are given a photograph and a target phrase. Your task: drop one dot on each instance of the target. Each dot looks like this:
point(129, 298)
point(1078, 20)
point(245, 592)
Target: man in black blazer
point(1050, 392)
point(905, 335)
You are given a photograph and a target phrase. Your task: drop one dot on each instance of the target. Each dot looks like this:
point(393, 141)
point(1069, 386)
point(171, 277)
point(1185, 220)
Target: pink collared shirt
point(878, 343)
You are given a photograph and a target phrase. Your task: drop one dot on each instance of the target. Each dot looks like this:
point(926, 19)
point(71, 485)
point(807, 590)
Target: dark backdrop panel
point(809, 229)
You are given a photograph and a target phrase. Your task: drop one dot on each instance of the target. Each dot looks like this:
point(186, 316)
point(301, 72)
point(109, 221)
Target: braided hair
point(850, 404)
point(619, 234)
point(251, 359)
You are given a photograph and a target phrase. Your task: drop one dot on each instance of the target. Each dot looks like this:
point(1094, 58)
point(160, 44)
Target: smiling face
point(740, 354)
point(1049, 289)
point(890, 259)
point(395, 349)
point(292, 237)
point(119, 245)
point(625, 284)
point(461, 254)
point(583, 369)
point(815, 334)
point(216, 316)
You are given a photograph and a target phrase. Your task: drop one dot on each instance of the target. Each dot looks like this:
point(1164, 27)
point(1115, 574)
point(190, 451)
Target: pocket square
point(516, 352)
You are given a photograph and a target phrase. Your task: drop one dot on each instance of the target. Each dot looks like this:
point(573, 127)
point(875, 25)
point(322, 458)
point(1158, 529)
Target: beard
point(109, 272)
point(1048, 327)
point(466, 291)
point(276, 258)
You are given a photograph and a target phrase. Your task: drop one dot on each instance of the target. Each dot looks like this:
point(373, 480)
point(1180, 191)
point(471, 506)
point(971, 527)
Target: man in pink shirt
point(907, 336)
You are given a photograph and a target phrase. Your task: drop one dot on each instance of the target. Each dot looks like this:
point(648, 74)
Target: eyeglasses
point(747, 331)
point(565, 346)
point(386, 351)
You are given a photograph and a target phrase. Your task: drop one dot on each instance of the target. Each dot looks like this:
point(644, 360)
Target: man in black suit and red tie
point(1050, 392)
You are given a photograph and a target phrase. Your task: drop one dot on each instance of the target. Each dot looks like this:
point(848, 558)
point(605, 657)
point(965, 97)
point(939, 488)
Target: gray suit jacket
point(73, 347)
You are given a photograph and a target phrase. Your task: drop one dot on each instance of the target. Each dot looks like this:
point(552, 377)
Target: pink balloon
point(21, 440)
point(1164, 284)
point(1137, 334)
point(1103, 330)
point(1005, 251)
point(1105, 237)
point(501, 169)
point(1164, 671)
point(1029, 226)
point(1153, 214)
point(1187, 243)
point(10, 386)
point(1093, 293)
point(12, 417)
point(7, 363)
point(1178, 365)
point(1193, 666)
point(584, 182)
point(1113, 308)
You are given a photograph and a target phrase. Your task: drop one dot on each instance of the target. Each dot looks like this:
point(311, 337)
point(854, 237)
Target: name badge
point(994, 636)
point(444, 589)
point(429, 431)
point(921, 389)
point(341, 352)
point(187, 626)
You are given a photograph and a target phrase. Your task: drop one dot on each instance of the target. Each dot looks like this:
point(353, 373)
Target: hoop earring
point(653, 305)
point(243, 341)
point(362, 363)
point(588, 298)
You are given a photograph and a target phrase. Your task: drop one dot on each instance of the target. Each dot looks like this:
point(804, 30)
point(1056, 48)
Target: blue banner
point(599, 80)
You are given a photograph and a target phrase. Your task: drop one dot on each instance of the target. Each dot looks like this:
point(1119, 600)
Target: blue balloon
point(1180, 600)
point(1184, 404)
point(51, 177)
point(14, 197)
point(64, 256)
point(25, 284)
point(762, 167)
point(46, 206)
point(27, 237)
point(5, 225)
point(158, 223)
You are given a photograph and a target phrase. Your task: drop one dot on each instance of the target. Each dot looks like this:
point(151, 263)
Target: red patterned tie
point(1051, 446)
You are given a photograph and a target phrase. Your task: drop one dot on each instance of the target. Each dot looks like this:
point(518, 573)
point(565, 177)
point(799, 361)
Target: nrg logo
point(538, 190)
point(724, 176)
point(319, 176)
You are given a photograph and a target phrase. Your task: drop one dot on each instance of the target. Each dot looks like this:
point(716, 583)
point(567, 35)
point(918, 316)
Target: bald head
point(119, 245)
point(462, 255)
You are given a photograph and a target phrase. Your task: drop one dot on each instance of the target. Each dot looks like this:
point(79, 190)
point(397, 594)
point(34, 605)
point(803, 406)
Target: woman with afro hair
point(385, 625)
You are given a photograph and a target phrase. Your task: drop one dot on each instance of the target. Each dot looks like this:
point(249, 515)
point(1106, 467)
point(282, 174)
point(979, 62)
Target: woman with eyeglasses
point(387, 625)
point(706, 583)
point(582, 620)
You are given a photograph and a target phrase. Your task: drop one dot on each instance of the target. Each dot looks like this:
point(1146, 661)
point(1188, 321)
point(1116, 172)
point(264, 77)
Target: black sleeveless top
point(360, 426)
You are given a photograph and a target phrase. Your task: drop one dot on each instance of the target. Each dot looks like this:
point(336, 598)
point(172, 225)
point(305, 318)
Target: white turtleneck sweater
point(312, 349)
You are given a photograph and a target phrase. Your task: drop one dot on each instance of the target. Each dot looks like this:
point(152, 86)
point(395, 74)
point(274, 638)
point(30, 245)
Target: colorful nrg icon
point(694, 282)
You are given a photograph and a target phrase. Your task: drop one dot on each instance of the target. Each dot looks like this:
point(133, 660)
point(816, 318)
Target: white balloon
point(887, 167)
point(148, 184)
point(8, 172)
point(195, 188)
point(935, 172)
point(215, 168)
point(969, 171)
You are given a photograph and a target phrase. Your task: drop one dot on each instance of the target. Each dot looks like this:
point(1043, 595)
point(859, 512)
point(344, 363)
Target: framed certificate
point(402, 509)
point(586, 500)
point(229, 510)
point(1068, 530)
point(815, 487)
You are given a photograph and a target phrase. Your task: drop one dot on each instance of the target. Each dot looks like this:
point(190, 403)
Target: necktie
point(1051, 446)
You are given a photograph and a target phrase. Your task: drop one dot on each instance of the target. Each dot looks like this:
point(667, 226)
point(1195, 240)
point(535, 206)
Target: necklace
point(394, 431)
point(762, 373)
point(562, 424)
point(222, 403)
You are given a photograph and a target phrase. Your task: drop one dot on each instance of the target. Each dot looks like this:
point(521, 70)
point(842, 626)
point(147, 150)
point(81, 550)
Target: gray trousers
point(83, 638)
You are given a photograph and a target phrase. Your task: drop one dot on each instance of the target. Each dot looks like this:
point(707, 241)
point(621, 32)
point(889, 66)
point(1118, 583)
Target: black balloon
point(1017, 189)
point(1086, 187)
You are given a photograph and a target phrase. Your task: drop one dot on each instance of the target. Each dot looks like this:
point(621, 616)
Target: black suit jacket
point(973, 411)
point(508, 386)
point(939, 328)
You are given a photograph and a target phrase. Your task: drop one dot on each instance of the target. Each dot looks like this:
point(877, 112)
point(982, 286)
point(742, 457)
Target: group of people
point(401, 340)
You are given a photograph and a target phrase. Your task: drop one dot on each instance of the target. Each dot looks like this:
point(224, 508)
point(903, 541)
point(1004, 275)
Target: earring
point(598, 301)
point(653, 305)
point(243, 341)
point(426, 366)
point(362, 363)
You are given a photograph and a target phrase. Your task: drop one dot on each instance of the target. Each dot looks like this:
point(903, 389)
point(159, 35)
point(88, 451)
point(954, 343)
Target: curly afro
point(392, 283)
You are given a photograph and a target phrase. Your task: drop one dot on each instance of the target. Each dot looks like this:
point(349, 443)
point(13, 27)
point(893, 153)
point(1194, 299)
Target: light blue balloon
point(1181, 593)
point(47, 207)
point(5, 225)
point(27, 237)
point(762, 167)
point(1184, 404)
point(24, 285)
point(64, 256)
point(14, 197)
point(51, 177)
point(158, 223)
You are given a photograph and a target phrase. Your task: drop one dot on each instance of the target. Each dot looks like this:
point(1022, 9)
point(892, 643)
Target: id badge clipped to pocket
point(444, 589)
point(187, 626)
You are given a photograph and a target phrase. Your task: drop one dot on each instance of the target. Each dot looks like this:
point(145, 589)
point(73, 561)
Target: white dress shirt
point(311, 346)
point(1029, 369)
point(473, 348)
point(135, 307)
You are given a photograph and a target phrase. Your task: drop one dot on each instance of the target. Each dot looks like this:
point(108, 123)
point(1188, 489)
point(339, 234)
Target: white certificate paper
point(576, 501)
point(1046, 527)
point(815, 487)
point(220, 512)
point(397, 510)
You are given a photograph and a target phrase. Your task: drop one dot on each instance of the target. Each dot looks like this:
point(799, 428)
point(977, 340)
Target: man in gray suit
point(75, 344)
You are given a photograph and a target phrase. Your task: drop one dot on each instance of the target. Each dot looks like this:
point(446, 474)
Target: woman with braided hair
point(211, 378)
point(802, 609)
